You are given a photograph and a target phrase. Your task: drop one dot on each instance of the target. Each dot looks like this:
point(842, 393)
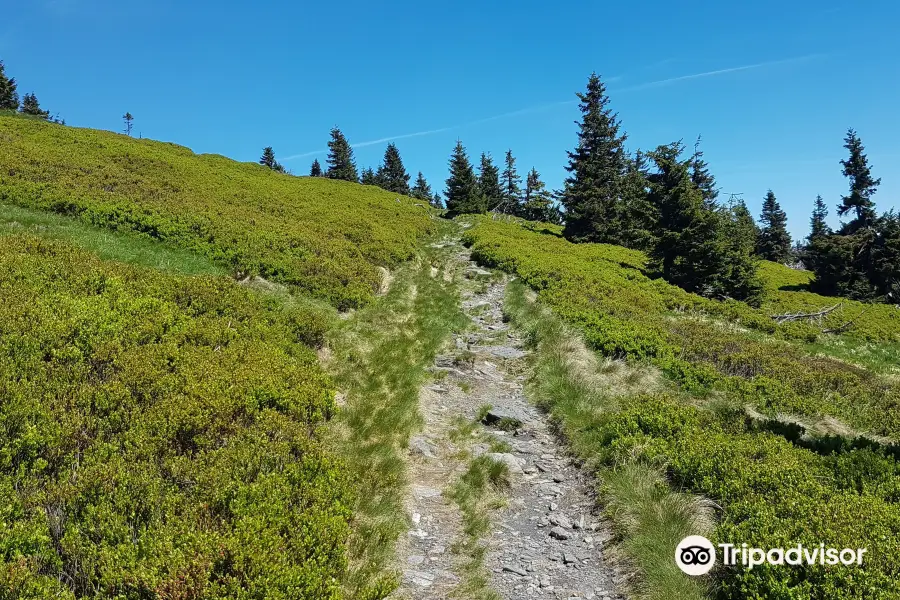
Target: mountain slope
point(318, 236)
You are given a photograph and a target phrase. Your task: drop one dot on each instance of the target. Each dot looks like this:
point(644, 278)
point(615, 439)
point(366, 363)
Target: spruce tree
point(340, 158)
point(31, 106)
point(862, 186)
point(638, 214)
point(489, 184)
point(421, 189)
point(268, 157)
point(462, 194)
point(774, 242)
point(9, 98)
point(688, 249)
point(369, 177)
point(510, 182)
point(268, 160)
point(596, 166)
point(739, 265)
point(129, 123)
point(885, 271)
point(537, 204)
point(817, 224)
point(436, 201)
point(702, 178)
point(316, 169)
point(392, 175)
point(851, 262)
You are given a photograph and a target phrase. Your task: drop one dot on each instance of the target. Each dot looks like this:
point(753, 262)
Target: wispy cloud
point(547, 106)
point(671, 80)
point(373, 142)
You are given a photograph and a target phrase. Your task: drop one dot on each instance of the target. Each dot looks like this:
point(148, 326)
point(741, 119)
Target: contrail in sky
point(373, 142)
point(771, 63)
point(543, 107)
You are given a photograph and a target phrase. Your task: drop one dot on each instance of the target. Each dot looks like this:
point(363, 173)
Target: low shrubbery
point(319, 236)
point(158, 436)
point(767, 492)
point(701, 343)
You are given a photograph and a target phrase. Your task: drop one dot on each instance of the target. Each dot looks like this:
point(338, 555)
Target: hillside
point(801, 474)
point(318, 236)
point(168, 432)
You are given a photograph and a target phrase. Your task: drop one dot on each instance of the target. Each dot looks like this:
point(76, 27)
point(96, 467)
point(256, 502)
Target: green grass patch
point(380, 360)
point(109, 245)
point(477, 492)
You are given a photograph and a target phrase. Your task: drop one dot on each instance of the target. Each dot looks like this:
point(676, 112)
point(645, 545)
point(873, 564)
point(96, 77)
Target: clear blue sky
point(771, 86)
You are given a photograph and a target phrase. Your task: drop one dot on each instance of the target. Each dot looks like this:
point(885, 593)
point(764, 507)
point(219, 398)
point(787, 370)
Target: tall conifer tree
point(738, 276)
point(392, 175)
point(421, 189)
point(591, 194)
point(688, 249)
point(489, 184)
point(817, 224)
point(316, 169)
point(639, 216)
point(340, 158)
point(462, 194)
point(862, 186)
point(774, 241)
point(511, 183)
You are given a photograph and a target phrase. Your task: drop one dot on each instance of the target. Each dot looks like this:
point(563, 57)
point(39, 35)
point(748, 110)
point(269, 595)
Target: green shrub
point(703, 344)
point(158, 436)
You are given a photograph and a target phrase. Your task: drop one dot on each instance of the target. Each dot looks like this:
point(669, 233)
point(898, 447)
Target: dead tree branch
point(848, 324)
point(786, 318)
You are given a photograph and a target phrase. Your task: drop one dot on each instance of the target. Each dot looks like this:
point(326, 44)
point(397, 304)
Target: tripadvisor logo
point(696, 555)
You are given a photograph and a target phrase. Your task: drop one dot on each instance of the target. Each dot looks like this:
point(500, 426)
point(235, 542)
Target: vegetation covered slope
point(319, 236)
point(697, 341)
point(776, 490)
point(158, 436)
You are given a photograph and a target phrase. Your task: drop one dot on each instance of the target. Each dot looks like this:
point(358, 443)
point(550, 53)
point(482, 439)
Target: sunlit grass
point(120, 246)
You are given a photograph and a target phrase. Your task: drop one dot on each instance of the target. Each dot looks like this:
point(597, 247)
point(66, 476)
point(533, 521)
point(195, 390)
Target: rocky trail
point(547, 540)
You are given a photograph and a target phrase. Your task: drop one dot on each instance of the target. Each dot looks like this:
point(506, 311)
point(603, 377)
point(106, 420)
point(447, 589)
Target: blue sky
point(771, 86)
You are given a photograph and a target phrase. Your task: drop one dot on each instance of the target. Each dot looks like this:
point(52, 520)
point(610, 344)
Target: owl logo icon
point(695, 555)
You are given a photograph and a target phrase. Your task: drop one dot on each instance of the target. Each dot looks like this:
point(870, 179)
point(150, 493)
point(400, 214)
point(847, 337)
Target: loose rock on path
point(549, 540)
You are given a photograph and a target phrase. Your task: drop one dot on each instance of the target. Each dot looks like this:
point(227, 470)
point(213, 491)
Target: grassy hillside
point(158, 435)
point(122, 246)
point(321, 237)
point(776, 486)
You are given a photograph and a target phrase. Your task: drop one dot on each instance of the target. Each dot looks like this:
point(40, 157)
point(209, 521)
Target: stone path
point(548, 542)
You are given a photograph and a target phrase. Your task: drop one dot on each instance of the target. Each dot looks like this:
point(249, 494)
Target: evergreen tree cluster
point(268, 160)
point(663, 202)
point(860, 260)
point(391, 175)
point(493, 190)
point(9, 99)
